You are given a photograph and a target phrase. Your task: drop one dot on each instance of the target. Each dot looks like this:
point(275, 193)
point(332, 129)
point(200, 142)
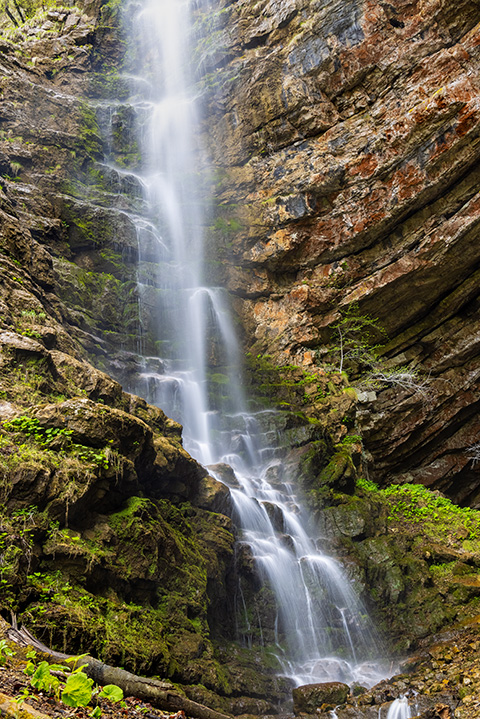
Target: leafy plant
point(78, 690)
point(45, 437)
point(31, 427)
point(357, 350)
point(351, 439)
point(112, 693)
point(5, 652)
point(415, 503)
point(42, 679)
point(366, 484)
point(355, 334)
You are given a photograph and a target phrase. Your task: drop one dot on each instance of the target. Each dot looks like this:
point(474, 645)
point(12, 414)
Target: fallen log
point(160, 694)
point(10, 709)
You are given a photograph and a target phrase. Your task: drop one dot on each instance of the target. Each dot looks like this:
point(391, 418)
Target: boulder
point(213, 496)
point(307, 699)
point(96, 425)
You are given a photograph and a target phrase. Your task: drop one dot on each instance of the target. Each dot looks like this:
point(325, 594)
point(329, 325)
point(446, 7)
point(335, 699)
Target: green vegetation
point(18, 15)
point(289, 385)
point(440, 518)
point(109, 84)
point(29, 322)
point(5, 652)
point(45, 569)
point(355, 336)
point(70, 685)
point(55, 438)
point(366, 484)
point(30, 381)
point(89, 139)
point(31, 427)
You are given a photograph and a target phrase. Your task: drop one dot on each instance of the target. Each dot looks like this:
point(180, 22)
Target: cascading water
point(322, 632)
point(399, 709)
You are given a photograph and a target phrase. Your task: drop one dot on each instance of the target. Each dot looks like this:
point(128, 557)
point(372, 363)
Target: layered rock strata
point(346, 141)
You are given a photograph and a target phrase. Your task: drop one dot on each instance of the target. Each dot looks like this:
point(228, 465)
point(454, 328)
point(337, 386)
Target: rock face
point(96, 536)
point(346, 139)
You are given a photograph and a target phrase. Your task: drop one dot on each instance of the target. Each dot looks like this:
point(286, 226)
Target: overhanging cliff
point(346, 141)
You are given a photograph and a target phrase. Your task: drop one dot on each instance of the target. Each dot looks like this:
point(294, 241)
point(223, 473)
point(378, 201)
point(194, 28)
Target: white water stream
point(399, 709)
point(322, 631)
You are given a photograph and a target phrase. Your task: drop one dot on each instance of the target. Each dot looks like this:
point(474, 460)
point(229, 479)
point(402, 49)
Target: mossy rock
point(310, 698)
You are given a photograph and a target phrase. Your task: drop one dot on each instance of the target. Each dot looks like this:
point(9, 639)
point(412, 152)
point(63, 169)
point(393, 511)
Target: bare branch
point(474, 452)
point(404, 377)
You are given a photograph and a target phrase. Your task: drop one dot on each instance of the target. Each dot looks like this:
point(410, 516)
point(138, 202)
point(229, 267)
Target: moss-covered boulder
point(310, 698)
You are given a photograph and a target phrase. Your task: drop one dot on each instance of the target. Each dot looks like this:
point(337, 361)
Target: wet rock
point(213, 496)
point(225, 473)
point(275, 515)
point(311, 697)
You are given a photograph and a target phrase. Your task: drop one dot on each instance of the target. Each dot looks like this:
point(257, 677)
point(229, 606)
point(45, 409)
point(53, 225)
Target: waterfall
point(399, 709)
point(321, 630)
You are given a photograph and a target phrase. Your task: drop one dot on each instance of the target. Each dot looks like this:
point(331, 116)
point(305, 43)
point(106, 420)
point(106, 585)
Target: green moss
point(105, 301)
point(146, 607)
point(109, 84)
point(439, 517)
point(218, 378)
point(89, 135)
point(120, 632)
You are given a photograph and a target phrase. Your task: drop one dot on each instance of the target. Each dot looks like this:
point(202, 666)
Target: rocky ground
point(441, 681)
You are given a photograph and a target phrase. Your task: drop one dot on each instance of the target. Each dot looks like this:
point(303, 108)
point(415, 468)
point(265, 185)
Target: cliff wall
point(346, 141)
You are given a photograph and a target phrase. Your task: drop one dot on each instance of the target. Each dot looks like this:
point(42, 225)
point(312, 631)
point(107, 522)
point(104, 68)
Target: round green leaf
point(112, 692)
point(42, 679)
point(78, 690)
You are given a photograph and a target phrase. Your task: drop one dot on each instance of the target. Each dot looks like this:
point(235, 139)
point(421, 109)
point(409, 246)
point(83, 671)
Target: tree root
point(160, 694)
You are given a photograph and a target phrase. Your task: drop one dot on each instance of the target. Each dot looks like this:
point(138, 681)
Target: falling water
point(322, 632)
point(399, 709)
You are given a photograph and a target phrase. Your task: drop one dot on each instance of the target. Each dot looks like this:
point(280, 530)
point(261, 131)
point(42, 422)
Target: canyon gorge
point(337, 148)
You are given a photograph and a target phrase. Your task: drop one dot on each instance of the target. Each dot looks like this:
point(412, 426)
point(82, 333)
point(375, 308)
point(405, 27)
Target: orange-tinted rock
point(348, 137)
